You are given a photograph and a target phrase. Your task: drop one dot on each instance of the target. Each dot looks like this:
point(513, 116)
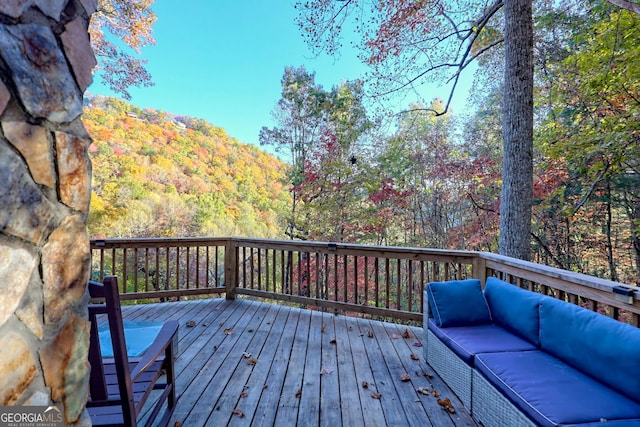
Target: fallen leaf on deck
point(423, 390)
point(324, 327)
point(428, 375)
point(435, 393)
point(415, 356)
point(417, 344)
point(177, 424)
point(370, 334)
point(446, 404)
point(264, 387)
point(238, 412)
point(244, 394)
point(333, 341)
point(191, 324)
point(228, 331)
point(405, 377)
point(376, 395)
point(365, 384)
point(326, 371)
point(249, 330)
point(221, 323)
point(407, 334)
point(246, 355)
point(299, 393)
point(252, 361)
point(395, 336)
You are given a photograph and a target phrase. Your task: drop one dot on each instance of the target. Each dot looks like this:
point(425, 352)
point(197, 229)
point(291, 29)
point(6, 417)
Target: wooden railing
point(373, 280)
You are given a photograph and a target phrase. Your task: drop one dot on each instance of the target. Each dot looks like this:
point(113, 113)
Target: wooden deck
point(245, 362)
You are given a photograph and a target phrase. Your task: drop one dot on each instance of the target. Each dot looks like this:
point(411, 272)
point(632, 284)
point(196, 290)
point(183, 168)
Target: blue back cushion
point(515, 309)
point(457, 303)
point(601, 347)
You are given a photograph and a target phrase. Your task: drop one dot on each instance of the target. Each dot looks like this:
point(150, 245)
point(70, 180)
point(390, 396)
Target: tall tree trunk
point(517, 166)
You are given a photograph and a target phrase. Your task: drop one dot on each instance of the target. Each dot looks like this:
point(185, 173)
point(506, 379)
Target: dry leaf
point(428, 375)
point(435, 393)
point(299, 393)
point(264, 387)
point(417, 344)
point(177, 424)
point(365, 384)
point(246, 355)
point(228, 331)
point(324, 327)
point(238, 412)
point(415, 356)
point(333, 341)
point(376, 395)
point(370, 334)
point(407, 334)
point(249, 330)
point(326, 371)
point(395, 336)
point(423, 390)
point(446, 404)
point(405, 377)
point(221, 323)
point(252, 361)
point(191, 324)
point(244, 394)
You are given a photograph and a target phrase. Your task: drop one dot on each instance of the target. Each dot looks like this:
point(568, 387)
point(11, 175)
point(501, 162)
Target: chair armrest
point(156, 349)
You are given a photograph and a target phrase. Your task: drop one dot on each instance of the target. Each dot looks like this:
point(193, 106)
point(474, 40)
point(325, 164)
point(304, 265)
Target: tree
point(407, 42)
point(517, 131)
point(591, 131)
point(300, 115)
point(131, 22)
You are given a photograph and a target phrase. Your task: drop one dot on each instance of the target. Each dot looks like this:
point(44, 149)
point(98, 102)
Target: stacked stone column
point(45, 179)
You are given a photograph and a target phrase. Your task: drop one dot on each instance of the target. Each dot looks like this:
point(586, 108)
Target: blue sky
point(222, 61)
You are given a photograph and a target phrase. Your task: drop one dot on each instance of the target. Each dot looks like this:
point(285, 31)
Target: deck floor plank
point(292, 389)
point(330, 403)
point(324, 356)
point(372, 412)
point(309, 410)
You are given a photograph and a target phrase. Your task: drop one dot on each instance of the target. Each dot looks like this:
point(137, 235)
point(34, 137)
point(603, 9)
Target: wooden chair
point(120, 385)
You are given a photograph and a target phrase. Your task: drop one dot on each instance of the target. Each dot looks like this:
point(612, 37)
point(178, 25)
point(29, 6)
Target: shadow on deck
point(244, 362)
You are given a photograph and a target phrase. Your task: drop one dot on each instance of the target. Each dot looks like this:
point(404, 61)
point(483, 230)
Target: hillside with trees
point(160, 175)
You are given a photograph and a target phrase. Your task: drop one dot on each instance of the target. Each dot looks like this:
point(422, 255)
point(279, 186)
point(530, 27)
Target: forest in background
point(160, 175)
point(426, 180)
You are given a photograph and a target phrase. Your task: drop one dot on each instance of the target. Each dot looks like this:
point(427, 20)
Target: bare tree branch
point(628, 5)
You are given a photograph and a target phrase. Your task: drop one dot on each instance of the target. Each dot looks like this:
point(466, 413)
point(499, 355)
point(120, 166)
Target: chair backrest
point(108, 291)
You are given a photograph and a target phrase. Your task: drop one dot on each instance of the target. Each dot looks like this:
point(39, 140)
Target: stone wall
point(45, 66)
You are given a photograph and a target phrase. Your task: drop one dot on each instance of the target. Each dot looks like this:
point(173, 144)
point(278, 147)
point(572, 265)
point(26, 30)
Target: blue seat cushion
point(595, 344)
point(138, 336)
point(552, 393)
point(513, 308)
point(467, 341)
point(457, 303)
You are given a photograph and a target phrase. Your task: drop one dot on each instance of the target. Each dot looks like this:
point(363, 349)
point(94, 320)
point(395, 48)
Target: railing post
point(231, 268)
point(479, 268)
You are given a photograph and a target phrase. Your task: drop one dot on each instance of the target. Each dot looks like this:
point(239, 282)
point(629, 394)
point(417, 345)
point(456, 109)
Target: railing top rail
point(543, 273)
point(151, 242)
point(297, 245)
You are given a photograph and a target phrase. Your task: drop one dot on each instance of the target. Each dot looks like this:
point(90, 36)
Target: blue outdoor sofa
point(518, 358)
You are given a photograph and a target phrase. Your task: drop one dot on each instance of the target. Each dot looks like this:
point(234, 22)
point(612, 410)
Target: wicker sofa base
point(491, 408)
point(455, 372)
